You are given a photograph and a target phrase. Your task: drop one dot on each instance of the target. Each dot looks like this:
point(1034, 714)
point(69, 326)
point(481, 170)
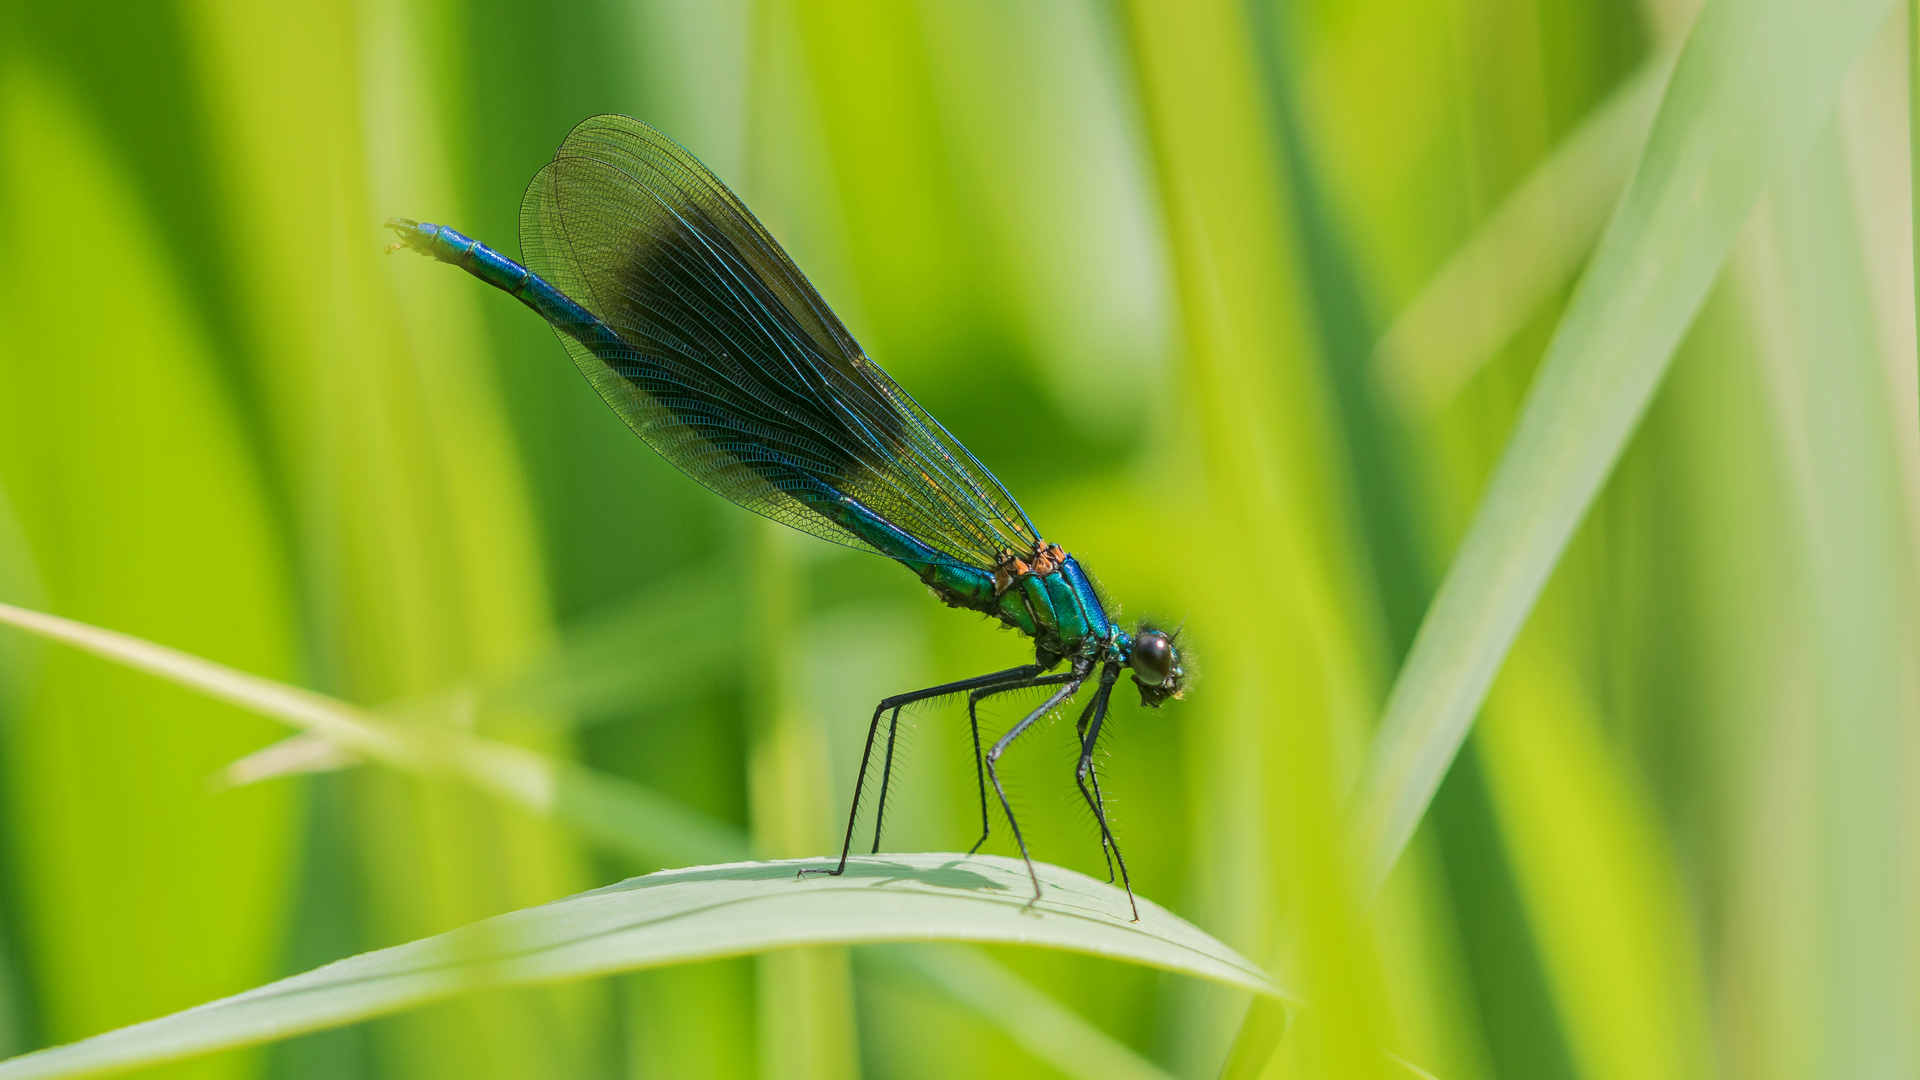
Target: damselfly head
point(1157, 670)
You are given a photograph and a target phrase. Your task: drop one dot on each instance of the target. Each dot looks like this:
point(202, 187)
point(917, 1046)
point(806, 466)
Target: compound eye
point(1152, 659)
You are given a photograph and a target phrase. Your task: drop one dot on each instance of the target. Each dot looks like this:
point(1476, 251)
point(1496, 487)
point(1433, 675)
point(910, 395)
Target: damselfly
point(692, 323)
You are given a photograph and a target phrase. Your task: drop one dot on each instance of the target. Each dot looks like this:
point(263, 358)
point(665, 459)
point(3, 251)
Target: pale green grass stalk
point(610, 810)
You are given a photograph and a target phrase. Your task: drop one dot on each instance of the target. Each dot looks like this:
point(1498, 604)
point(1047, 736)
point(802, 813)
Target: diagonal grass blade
point(1527, 251)
point(1751, 87)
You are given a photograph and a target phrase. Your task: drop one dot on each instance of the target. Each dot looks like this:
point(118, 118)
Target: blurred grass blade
point(1261, 1031)
point(621, 816)
point(1751, 87)
point(316, 711)
point(1525, 252)
point(1051, 1032)
point(674, 917)
point(1808, 288)
point(611, 659)
point(19, 580)
point(806, 1016)
point(19, 576)
point(142, 503)
point(415, 528)
point(291, 756)
point(605, 808)
point(1254, 1044)
point(1602, 891)
point(1410, 1068)
point(1279, 600)
point(1913, 140)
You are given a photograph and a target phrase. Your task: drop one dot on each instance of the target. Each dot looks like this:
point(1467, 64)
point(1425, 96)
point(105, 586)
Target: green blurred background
point(1188, 278)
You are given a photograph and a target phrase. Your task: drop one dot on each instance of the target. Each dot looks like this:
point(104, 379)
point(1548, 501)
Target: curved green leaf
point(679, 916)
point(618, 814)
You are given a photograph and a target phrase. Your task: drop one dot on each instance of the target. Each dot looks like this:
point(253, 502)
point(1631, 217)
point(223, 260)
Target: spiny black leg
point(858, 779)
point(1099, 802)
point(1099, 707)
point(1105, 848)
point(1080, 728)
point(993, 759)
point(886, 777)
point(973, 717)
point(897, 702)
point(980, 776)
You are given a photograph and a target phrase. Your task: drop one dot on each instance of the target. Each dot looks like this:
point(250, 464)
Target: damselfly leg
point(1066, 692)
point(973, 719)
point(1099, 800)
point(1091, 720)
point(894, 705)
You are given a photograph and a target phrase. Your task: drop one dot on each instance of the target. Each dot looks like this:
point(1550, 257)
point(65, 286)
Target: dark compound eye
point(1152, 659)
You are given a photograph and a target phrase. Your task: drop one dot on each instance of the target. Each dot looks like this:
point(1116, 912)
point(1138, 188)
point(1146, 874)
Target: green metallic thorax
point(1060, 611)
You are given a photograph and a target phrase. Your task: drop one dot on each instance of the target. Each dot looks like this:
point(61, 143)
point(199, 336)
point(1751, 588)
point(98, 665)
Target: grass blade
point(1279, 600)
point(1599, 882)
point(1913, 138)
point(1527, 250)
point(1258, 1038)
point(1808, 286)
point(291, 756)
point(1751, 86)
point(619, 814)
point(19, 579)
point(680, 916)
point(807, 1020)
point(140, 502)
point(417, 541)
